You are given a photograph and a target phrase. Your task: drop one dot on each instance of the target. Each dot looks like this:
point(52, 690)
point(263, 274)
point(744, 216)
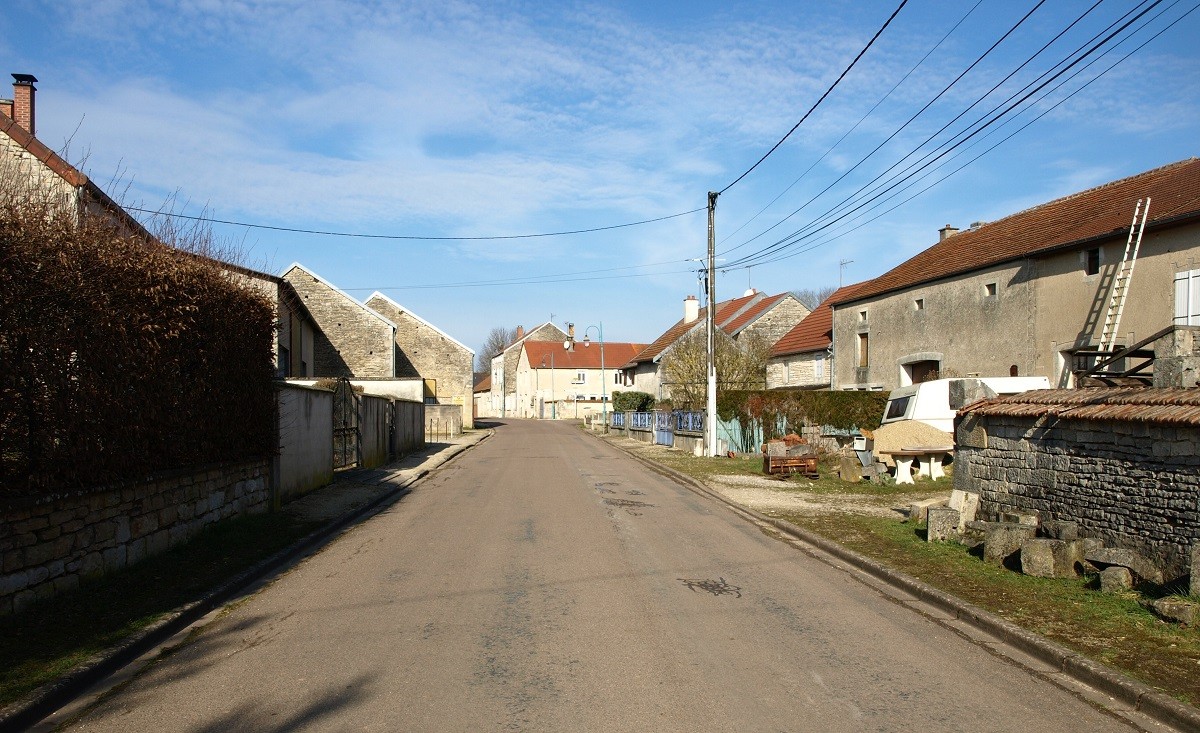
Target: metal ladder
point(1120, 284)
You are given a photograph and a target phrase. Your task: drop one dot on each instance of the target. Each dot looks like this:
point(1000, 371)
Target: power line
point(356, 235)
point(823, 96)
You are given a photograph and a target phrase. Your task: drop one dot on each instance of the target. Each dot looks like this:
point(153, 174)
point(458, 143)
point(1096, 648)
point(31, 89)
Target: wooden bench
point(930, 459)
point(787, 465)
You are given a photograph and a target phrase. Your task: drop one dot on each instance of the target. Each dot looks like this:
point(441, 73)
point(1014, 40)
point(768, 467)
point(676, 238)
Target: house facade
point(801, 358)
point(423, 350)
point(1019, 296)
point(552, 381)
point(351, 339)
point(504, 367)
point(754, 315)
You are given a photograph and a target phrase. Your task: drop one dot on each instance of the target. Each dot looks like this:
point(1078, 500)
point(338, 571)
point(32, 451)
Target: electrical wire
point(823, 96)
point(413, 237)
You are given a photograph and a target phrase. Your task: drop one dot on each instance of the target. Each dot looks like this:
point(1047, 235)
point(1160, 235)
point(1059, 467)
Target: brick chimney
point(946, 231)
point(520, 334)
point(691, 309)
point(22, 108)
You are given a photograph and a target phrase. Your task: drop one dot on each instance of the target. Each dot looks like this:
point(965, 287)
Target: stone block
point(919, 511)
point(122, 530)
point(114, 558)
point(1112, 556)
point(14, 582)
point(1195, 570)
point(1115, 579)
point(1060, 530)
point(1179, 610)
point(967, 504)
point(1003, 540)
point(851, 469)
point(1049, 558)
point(1028, 519)
point(942, 524)
point(92, 565)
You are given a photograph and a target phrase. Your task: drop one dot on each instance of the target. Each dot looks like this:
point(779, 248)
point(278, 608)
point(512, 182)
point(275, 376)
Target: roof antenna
point(749, 289)
point(841, 269)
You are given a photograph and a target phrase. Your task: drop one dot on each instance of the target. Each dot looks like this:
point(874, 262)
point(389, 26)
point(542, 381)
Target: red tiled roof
point(1098, 212)
point(727, 312)
point(38, 149)
point(815, 331)
point(484, 383)
point(616, 354)
point(1175, 406)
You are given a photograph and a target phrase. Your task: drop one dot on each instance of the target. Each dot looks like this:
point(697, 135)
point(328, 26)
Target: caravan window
point(897, 407)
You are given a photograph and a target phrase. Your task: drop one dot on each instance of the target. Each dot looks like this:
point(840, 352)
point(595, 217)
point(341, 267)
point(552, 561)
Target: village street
point(546, 581)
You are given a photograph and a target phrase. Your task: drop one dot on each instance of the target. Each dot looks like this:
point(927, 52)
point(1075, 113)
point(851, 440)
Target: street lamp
point(603, 381)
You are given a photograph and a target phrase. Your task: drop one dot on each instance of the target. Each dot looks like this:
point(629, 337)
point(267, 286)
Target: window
point(1091, 262)
point(580, 378)
point(863, 348)
point(862, 316)
point(919, 304)
point(989, 290)
point(819, 367)
point(897, 407)
point(1187, 298)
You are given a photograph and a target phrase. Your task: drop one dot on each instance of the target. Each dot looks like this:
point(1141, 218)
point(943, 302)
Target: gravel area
point(767, 495)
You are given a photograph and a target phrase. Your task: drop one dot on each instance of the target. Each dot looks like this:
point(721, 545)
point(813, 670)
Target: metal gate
point(345, 425)
point(664, 428)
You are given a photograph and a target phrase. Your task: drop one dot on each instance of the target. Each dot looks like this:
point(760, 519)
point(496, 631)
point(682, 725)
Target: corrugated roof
point(1097, 212)
point(616, 354)
point(815, 331)
point(1177, 406)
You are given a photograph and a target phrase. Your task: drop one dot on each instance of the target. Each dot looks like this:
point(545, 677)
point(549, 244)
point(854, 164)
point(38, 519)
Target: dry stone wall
point(1131, 484)
point(49, 546)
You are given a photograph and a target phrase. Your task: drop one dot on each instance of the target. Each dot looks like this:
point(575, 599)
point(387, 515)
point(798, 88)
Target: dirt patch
point(770, 496)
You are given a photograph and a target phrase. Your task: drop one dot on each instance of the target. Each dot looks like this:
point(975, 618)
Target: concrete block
point(1049, 558)
point(1004, 539)
point(942, 524)
point(919, 511)
point(1115, 579)
point(1140, 566)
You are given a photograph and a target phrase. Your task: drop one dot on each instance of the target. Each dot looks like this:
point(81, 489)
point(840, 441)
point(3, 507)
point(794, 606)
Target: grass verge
point(49, 639)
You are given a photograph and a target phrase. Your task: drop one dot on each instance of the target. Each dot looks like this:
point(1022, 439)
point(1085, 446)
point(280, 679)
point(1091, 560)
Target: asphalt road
point(544, 581)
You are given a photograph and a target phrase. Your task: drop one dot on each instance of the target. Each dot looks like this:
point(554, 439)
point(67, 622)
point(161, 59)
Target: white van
point(929, 402)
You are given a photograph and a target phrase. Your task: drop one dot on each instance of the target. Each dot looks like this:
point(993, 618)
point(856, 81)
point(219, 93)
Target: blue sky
point(461, 119)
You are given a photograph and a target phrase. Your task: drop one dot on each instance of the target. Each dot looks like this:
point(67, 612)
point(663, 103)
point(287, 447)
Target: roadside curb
point(1137, 695)
point(45, 701)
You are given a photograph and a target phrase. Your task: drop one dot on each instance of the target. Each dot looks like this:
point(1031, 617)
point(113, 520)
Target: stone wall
point(424, 351)
point(1133, 485)
point(48, 546)
point(351, 340)
point(775, 323)
point(799, 370)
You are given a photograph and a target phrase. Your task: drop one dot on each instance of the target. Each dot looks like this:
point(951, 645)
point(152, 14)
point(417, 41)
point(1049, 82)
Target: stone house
point(801, 358)
point(553, 381)
point(768, 317)
point(504, 367)
point(1023, 295)
point(483, 395)
point(423, 350)
point(29, 167)
point(352, 339)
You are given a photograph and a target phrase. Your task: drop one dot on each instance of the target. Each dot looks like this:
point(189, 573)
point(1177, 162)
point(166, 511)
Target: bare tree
point(498, 339)
point(741, 364)
point(812, 297)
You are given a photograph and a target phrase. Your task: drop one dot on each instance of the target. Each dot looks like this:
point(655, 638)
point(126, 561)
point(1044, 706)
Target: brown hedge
point(122, 357)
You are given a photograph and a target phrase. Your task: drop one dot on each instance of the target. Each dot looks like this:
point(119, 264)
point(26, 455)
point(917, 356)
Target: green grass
point(47, 640)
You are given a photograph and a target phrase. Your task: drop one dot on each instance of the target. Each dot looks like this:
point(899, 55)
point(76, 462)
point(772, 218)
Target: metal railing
point(618, 420)
point(642, 420)
point(689, 422)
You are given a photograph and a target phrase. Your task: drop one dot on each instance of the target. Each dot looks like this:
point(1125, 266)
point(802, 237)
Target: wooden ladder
point(1120, 283)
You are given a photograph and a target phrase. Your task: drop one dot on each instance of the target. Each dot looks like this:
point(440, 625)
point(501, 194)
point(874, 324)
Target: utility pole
point(710, 417)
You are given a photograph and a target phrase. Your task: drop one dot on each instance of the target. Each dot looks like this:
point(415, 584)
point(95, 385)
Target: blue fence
point(641, 420)
point(689, 422)
point(618, 420)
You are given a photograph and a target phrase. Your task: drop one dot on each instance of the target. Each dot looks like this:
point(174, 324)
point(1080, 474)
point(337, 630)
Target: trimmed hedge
point(122, 357)
point(842, 410)
point(632, 401)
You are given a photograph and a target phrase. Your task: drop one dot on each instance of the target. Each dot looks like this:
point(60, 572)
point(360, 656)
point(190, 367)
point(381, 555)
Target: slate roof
point(1177, 406)
point(728, 313)
point(815, 332)
point(616, 354)
point(1071, 221)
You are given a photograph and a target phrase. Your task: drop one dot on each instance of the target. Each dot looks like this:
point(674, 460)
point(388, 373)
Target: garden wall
point(48, 545)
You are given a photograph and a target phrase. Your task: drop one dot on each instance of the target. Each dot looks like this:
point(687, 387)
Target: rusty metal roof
point(1176, 406)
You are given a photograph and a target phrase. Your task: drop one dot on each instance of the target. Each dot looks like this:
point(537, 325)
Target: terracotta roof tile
point(38, 149)
point(752, 313)
point(616, 354)
point(1134, 404)
point(484, 383)
point(727, 312)
point(815, 331)
point(1098, 212)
